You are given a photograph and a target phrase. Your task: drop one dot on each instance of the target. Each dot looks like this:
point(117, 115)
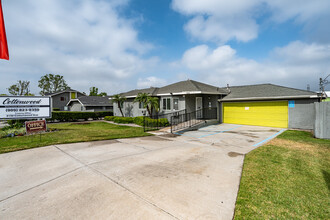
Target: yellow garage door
point(271, 114)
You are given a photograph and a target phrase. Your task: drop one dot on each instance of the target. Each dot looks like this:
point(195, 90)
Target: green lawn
point(71, 133)
point(289, 178)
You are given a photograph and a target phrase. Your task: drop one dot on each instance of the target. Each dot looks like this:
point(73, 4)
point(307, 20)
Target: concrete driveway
point(193, 175)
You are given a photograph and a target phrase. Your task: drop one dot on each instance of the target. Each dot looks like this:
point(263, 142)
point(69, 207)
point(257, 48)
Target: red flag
point(4, 54)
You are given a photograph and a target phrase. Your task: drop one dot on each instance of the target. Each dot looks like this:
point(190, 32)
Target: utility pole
point(323, 82)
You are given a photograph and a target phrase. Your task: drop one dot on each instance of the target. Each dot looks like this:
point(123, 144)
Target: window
point(73, 95)
point(141, 105)
point(176, 104)
point(166, 103)
point(62, 98)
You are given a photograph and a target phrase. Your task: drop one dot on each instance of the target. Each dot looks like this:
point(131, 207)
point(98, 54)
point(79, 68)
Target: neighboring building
point(187, 95)
point(90, 104)
point(269, 105)
point(61, 98)
point(263, 105)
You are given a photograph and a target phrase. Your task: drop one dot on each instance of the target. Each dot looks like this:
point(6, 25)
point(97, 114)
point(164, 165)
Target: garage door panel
point(272, 114)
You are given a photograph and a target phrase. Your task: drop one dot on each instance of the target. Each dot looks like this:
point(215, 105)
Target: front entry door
point(199, 107)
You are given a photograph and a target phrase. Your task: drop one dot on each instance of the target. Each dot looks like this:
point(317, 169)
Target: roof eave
point(96, 105)
point(60, 92)
point(190, 93)
point(74, 100)
point(269, 98)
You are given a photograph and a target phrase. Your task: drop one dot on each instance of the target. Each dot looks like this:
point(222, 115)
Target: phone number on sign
point(22, 110)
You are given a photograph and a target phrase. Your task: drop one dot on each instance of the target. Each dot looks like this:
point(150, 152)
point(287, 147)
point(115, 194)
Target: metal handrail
point(191, 119)
point(155, 124)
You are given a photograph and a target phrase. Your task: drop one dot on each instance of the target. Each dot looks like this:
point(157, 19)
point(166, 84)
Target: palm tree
point(143, 98)
point(153, 103)
point(120, 100)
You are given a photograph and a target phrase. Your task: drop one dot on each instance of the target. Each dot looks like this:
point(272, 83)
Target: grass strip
point(71, 133)
point(289, 178)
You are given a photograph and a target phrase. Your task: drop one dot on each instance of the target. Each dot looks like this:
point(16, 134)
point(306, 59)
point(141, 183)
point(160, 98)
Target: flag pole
point(4, 54)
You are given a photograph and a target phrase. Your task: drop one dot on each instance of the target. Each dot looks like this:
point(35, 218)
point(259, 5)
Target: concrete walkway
point(194, 175)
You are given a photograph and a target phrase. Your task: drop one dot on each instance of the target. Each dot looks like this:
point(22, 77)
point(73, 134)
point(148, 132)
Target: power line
point(323, 83)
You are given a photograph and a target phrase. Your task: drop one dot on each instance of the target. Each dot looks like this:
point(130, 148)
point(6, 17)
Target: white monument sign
point(24, 107)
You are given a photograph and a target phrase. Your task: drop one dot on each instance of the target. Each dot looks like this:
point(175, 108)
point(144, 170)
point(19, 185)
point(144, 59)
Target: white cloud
point(150, 81)
point(296, 65)
point(200, 57)
point(86, 41)
point(221, 20)
point(301, 11)
point(301, 53)
point(215, 28)
point(182, 76)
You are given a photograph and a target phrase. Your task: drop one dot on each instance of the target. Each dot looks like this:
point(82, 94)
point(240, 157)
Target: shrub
point(123, 120)
point(16, 123)
point(162, 122)
point(109, 118)
point(74, 116)
point(103, 114)
point(139, 120)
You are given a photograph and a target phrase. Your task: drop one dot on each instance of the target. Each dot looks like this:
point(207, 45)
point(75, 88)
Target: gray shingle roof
point(260, 91)
point(63, 91)
point(95, 101)
point(190, 86)
point(152, 91)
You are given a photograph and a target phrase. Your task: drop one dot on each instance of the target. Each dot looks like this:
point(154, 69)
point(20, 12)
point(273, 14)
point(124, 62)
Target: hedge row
point(163, 122)
point(121, 120)
point(74, 116)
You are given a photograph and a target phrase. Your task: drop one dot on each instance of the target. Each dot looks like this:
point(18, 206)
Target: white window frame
point(167, 104)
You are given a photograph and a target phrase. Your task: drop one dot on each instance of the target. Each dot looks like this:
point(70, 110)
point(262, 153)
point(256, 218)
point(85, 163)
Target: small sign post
point(35, 126)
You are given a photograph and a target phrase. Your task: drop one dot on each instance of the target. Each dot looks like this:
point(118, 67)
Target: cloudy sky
point(118, 45)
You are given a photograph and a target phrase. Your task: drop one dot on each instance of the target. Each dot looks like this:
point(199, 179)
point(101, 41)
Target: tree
point(119, 100)
point(153, 104)
point(142, 98)
point(93, 91)
point(20, 88)
point(13, 89)
point(149, 102)
point(50, 83)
